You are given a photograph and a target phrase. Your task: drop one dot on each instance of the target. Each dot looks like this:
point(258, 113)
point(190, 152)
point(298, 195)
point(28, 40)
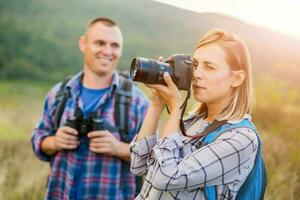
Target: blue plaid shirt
point(82, 174)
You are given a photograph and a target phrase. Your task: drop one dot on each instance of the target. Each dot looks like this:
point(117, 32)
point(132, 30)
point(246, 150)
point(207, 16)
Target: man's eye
point(99, 43)
point(115, 46)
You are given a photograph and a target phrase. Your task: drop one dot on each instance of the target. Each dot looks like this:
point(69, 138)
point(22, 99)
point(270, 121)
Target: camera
point(180, 68)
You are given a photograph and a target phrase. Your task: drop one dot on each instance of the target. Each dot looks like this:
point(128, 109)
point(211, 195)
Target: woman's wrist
point(150, 123)
point(157, 108)
point(172, 125)
point(176, 110)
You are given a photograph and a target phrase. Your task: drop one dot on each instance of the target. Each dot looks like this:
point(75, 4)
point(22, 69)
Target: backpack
point(255, 184)
point(122, 102)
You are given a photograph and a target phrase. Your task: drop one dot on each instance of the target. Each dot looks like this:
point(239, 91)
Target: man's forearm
point(124, 151)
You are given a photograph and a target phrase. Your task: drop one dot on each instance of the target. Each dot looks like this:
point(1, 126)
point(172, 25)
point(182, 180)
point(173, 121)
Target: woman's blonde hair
point(238, 58)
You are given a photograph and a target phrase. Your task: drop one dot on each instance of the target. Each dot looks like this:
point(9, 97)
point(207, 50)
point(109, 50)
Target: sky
point(282, 16)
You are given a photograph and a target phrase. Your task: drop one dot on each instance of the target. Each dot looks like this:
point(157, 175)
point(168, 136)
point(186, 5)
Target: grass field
point(23, 176)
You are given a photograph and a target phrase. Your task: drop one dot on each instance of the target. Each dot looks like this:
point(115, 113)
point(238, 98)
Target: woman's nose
point(197, 73)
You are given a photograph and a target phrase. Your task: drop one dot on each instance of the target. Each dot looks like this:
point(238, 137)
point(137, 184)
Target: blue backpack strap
point(254, 188)
point(226, 127)
point(258, 188)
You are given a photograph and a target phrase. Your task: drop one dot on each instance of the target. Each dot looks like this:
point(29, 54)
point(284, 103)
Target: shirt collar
point(192, 116)
point(75, 83)
point(246, 116)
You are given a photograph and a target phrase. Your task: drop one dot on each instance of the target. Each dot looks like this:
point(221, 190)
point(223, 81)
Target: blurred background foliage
point(39, 47)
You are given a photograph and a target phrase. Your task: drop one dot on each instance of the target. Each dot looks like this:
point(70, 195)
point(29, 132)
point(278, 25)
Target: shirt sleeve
point(229, 158)
point(44, 127)
point(139, 152)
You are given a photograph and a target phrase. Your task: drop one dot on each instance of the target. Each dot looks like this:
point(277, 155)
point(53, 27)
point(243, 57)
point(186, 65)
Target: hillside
point(39, 46)
point(39, 37)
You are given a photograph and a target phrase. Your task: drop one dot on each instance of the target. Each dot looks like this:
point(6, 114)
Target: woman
point(180, 167)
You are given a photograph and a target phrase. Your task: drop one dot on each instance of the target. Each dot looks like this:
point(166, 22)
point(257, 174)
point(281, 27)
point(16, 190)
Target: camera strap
point(183, 107)
point(210, 128)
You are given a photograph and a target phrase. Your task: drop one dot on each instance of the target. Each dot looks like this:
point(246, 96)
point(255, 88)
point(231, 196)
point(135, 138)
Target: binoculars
point(84, 126)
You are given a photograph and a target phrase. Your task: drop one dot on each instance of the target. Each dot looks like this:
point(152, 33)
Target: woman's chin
point(200, 98)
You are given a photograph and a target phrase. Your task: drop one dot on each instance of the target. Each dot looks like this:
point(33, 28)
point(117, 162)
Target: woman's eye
point(209, 67)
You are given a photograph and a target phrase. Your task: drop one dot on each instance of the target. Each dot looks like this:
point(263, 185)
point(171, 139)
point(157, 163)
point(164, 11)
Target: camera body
point(84, 126)
point(180, 68)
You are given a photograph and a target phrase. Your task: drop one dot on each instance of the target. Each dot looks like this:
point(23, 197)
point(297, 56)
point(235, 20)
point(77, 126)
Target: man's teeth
point(105, 59)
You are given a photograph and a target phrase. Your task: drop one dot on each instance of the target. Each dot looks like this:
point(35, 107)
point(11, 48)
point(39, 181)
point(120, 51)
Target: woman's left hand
point(169, 94)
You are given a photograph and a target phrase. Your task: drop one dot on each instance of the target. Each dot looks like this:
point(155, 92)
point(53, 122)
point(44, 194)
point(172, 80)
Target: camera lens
point(134, 69)
point(149, 71)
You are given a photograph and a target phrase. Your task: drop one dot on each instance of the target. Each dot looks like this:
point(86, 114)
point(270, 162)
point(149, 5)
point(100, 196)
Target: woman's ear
point(81, 43)
point(238, 77)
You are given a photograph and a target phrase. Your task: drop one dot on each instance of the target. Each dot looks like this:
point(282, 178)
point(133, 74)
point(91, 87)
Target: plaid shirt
point(177, 167)
point(82, 174)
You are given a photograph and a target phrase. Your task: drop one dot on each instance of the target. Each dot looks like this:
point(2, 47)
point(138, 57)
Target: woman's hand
point(165, 95)
point(172, 97)
point(157, 102)
point(169, 95)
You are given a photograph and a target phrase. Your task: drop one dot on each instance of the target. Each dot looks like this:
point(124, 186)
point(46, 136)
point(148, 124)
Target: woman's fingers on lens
point(160, 58)
point(170, 59)
point(168, 79)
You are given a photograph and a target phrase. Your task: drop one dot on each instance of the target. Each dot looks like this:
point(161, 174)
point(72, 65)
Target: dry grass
point(23, 176)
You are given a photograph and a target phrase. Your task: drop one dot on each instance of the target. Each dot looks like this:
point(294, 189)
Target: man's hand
point(66, 138)
point(105, 142)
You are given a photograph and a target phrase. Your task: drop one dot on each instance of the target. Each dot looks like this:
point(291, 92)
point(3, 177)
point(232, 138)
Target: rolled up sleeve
point(43, 129)
point(139, 152)
point(168, 150)
point(220, 162)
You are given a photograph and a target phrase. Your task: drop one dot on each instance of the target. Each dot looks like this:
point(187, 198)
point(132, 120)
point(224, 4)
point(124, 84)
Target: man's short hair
point(104, 20)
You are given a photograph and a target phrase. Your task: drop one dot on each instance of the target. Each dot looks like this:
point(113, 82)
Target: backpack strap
point(123, 99)
point(61, 98)
point(223, 127)
point(122, 106)
point(210, 192)
point(258, 167)
point(122, 102)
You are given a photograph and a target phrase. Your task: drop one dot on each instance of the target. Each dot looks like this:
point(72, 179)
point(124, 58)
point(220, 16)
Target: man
point(90, 166)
